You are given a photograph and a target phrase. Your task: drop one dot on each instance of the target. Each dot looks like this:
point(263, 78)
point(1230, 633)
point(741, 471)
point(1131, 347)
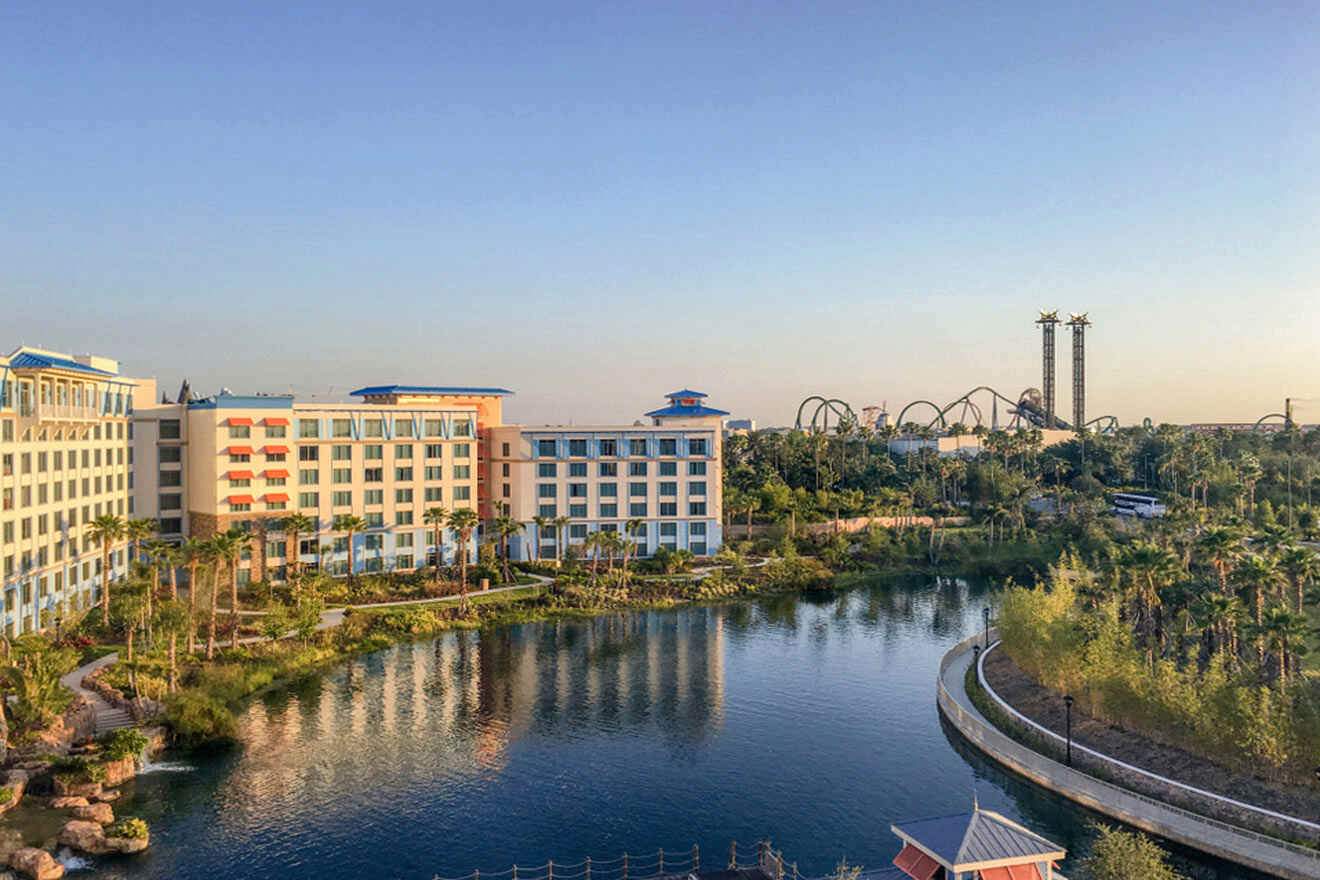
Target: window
point(668, 446)
point(609, 447)
point(275, 481)
point(373, 451)
point(637, 446)
point(169, 525)
point(577, 469)
point(668, 488)
point(577, 448)
point(309, 429)
point(546, 490)
point(234, 458)
point(274, 432)
point(547, 510)
point(697, 446)
point(546, 470)
point(275, 549)
point(169, 429)
point(308, 499)
point(668, 468)
point(171, 501)
point(696, 468)
point(403, 428)
point(609, 469)
point(434, 427)
point(373, 428)
point(309, 453)
point(696, 508)
point(276, 505)
point(637, 490)
point(433, 494)
point(462, 472)
point(274, 456)
point(636, 468)
point(577, 510)
point(240, 508)
point(341, 452)
point(404, 540)
point(341, 475)
point(403, 517)
point(434, 473)
point(309, 478)
point(669, 530)
point(463, 428)
point(403, 474)
point(609, 511)
point(435, 450)
point(577, 490)
point(697, 487)
point(577, 531)
point(462, 493)
point(697, 529)
point(403, 496)
point(374, 520)
point(608, 490)
point(374, 475)
point(167, 454)
point(637, 508)
point(240, 432)
point(464, 450)
point(669, 508)
point(171, 478)
point(504, 469)
point(373, 496)
point(239, 483)
point(402, 451)
point(545, 448)
point(341, 428)
point(341, 499)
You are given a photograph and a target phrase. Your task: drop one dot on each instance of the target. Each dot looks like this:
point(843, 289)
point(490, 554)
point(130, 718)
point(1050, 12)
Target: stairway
point(109, 718)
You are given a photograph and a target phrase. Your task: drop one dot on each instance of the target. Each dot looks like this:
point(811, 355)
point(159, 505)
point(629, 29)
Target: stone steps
point(112, 719)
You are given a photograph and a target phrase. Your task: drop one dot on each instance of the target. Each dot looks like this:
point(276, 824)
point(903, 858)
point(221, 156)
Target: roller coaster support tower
point(1048, 321)
point(1079, 323)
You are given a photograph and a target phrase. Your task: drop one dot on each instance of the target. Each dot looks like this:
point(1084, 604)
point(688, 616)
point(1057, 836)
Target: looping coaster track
point(1026, 411)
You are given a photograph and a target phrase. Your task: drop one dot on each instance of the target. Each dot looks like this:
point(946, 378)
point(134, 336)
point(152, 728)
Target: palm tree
point(1220, 547)
point(1283, 633)
point(630, 529)
point(239, 542)
point(137, 531)
point(131, 605)
point(560, 523)
point(436, 517)
point(296, 525)
point(106, 529)
point(157, 552)
point(218, 549)
point(1219, 615)
point(1257, 575)
point(506, 527)
point(1302, 566)
point(542, 523)
point(346, 522)
point(464, 522)
point(172, 617)
point(193, 553)
point(593, 543)
point(1152, 567)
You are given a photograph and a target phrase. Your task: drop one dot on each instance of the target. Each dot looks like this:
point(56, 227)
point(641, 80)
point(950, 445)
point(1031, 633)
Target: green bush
point(197, 718)
point(77, 769)
point(6, 795)
point(122, 743)
point(129, 827)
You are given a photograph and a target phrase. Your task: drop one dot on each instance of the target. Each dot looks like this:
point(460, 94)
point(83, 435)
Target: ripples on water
point(812, 722)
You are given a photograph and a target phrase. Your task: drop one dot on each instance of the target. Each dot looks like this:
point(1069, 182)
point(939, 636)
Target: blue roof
point(679, 409)
point(243, 401)
point(978, 836)
point(28, 360)
point(686, 392)
point(374, 390)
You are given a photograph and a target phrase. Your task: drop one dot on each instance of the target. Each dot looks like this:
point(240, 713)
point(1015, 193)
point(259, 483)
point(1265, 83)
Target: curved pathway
point(104, 716)
point(1220, 839)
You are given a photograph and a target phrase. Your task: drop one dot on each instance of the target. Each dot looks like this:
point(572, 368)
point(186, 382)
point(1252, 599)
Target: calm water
point(810, 722)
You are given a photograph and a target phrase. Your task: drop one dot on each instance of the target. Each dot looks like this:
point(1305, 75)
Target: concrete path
point(104, 716)
point(1217, 838)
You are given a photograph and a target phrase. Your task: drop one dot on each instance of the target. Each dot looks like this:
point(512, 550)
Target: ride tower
point(1079, 323)
point(1048, 321)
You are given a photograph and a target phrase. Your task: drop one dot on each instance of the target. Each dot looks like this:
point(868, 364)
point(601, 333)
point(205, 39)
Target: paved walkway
point(104, 716)
point(1217, 838)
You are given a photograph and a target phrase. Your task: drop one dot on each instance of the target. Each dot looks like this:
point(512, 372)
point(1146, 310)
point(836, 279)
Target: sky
point(596, 203)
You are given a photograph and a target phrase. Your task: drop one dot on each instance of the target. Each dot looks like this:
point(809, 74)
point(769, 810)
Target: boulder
point(126, 845)
point(77, 789)
point(86, 836)
point(64, 803)
point(18, 776)
point(106, 797)
point(97, 812)
point(119, 772)
point(11, 840)
point(36, 863)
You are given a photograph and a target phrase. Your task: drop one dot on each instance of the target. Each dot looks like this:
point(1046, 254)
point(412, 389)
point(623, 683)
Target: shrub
point(76, 769)
point(122, 743)
point(1120, 855)
point(129, 827)
point(6, 795)
point(197, 718)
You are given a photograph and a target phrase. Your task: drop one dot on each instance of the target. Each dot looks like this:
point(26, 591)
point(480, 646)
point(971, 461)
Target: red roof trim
point(238, 422)
point(276, 496)
point(275, 421)
point(275, 450)
point(238, 475)
point(239, 499)
point(276, 474)
point(239, 450)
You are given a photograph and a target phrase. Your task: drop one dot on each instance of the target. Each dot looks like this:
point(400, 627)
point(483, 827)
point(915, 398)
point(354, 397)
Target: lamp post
point(985, 614)
point(58, 621)
point(1067, 702)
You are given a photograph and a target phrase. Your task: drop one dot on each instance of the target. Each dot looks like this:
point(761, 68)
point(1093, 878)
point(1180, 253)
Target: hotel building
point(65, 459)
point(77, 440)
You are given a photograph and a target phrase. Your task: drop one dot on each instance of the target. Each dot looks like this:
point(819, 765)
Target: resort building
point(65, 459)
point(250, 460)
point(665, 477)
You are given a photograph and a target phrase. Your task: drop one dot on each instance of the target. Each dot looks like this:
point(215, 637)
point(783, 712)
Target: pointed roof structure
point(994, 846)
point(686, 403)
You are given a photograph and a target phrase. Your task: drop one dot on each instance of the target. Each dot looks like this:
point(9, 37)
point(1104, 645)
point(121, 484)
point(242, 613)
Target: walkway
point(104, 716)
point(1217, 838)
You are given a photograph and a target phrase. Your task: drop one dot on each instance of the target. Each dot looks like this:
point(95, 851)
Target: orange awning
point(1011, 872)
point(915, 863)
point(276, 496)
point(276, 450)
point(275, 421)
point(235, 422)
point(239, 450)
point(276, 475)
point(239, 499)
point(239, 475)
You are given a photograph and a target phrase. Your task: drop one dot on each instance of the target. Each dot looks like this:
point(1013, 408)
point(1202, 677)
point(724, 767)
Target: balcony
point(30, 414)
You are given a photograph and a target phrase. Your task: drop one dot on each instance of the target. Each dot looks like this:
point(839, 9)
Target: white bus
point(1140, 506)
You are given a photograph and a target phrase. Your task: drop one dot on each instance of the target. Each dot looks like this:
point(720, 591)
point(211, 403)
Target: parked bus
point(1140, 506)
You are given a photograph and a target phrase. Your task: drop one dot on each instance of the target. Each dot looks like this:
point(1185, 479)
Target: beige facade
point(65, 459)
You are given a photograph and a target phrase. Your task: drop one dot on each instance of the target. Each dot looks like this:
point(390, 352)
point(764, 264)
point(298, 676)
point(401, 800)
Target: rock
point(126, 844)
point(36, 863)
point(119, 772)
point(64, 803)
point(15, 776)
point(77, 789)
point(156, 738)
point(11, 840)
point(86, 836)
point(106, 797)
point(97, 812)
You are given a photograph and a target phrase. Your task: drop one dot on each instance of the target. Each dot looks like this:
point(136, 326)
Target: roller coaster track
point(1023, 409)
point(1260, 421)
point(825, 406)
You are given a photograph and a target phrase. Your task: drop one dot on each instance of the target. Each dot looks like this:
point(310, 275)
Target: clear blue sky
point(593, 202)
